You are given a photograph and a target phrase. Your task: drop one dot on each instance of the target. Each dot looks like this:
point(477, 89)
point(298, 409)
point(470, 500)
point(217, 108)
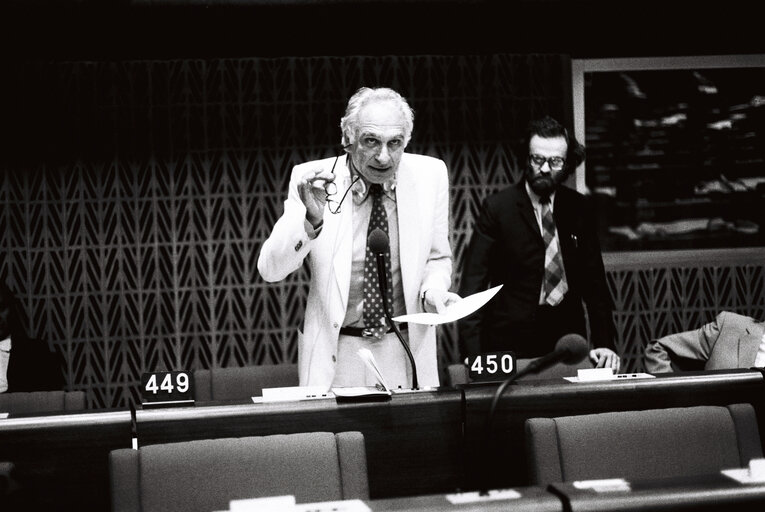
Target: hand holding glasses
point(318, 188)
point(311, 189)
point(330, 188)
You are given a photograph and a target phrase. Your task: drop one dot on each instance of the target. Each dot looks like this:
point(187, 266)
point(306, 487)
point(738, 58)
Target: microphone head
point(377, 241)
point(573, 347)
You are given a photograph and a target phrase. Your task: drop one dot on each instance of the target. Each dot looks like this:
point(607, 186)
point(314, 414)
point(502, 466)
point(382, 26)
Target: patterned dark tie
point(555, 286)
point(374, 314)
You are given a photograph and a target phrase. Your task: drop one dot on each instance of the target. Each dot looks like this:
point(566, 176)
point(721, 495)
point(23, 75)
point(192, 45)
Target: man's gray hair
point(365, 95)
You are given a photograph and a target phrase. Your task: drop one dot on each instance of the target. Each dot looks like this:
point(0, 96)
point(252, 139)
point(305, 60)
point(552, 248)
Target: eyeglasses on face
point(375, 144)
point(555, 163)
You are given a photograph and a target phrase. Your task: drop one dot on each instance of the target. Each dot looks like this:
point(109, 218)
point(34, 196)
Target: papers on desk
point(604, 485)
point(605, 376)
point(287, 504)
point(292, 393)
point(754, 474)
point(476, 497)
point(268, 504)
point(459, 309)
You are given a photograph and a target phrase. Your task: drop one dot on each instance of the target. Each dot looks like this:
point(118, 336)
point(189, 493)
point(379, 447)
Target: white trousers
point(388, 353)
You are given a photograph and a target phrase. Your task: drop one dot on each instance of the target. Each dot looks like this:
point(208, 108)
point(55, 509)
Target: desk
point(505, 460)
point(533, 499)
point(62, 460)
point(705, 492)
point(413, 441)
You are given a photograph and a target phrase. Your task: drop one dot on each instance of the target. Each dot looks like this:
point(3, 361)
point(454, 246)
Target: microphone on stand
point(379, 244)
point(570, 349)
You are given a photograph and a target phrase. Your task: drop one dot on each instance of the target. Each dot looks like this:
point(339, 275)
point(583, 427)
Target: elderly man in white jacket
point(327, 215)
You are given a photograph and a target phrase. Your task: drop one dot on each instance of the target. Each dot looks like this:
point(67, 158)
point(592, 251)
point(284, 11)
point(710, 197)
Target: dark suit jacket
point(507, 248)
point(33, 367)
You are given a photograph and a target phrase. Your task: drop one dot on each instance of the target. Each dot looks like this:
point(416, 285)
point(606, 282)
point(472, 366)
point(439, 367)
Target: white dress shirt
point(5, 357)
point(759, 359)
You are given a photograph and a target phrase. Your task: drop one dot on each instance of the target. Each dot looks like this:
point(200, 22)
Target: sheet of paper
point(287, 504)
point(459, 309)
point(475, 497)
point(604, 485)
point(266, 504)
point(617, 376)
point(333, 506)
point(292, 393)
point(366, 355)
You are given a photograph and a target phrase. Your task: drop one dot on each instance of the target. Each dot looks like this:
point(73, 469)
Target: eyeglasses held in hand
point(331, 189)
point(556, 163)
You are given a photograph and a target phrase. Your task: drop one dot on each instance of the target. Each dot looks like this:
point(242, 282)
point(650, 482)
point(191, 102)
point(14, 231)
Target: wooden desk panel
point(62, 460)
point(505, 460)
point(413, 441)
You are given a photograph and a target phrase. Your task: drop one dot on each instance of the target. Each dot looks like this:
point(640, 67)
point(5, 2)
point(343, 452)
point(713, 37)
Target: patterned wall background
point(134, 197)
point(651, 301)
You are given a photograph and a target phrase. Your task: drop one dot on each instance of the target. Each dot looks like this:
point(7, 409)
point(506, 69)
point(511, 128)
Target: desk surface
point(702, 492)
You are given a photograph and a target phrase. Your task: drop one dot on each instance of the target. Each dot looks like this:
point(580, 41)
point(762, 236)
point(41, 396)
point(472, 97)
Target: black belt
point(363, 332)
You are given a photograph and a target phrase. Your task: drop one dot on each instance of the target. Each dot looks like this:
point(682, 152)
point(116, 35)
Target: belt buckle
point(367, 333)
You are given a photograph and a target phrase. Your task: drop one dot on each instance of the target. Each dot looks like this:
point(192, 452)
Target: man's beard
point(542, 185)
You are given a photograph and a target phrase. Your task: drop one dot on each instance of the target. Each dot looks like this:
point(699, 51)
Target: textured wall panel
point(134, 197)
point(654, 302)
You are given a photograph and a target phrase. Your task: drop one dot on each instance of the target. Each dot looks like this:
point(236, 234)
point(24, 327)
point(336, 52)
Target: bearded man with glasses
point(331, 207)
point(539, 239)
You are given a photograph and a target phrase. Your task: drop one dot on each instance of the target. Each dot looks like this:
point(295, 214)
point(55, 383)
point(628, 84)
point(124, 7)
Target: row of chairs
point(205, 475)
point(29, 402)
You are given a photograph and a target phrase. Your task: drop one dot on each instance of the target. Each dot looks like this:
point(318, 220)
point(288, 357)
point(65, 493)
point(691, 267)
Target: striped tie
point(555, 286)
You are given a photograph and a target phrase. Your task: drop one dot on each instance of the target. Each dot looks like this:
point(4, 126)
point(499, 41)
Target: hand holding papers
point(459, 309)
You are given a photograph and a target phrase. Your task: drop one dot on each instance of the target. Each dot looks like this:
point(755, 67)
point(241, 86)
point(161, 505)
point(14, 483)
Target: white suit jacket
point(422, 201)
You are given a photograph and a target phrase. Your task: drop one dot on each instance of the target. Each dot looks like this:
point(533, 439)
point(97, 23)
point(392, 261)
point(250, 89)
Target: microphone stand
point(381, 272)
point(532, 367)
point(568, 349)
point(484, 490)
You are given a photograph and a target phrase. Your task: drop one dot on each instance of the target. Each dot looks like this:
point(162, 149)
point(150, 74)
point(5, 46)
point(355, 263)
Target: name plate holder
point(167, 389)
point(491, 367)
